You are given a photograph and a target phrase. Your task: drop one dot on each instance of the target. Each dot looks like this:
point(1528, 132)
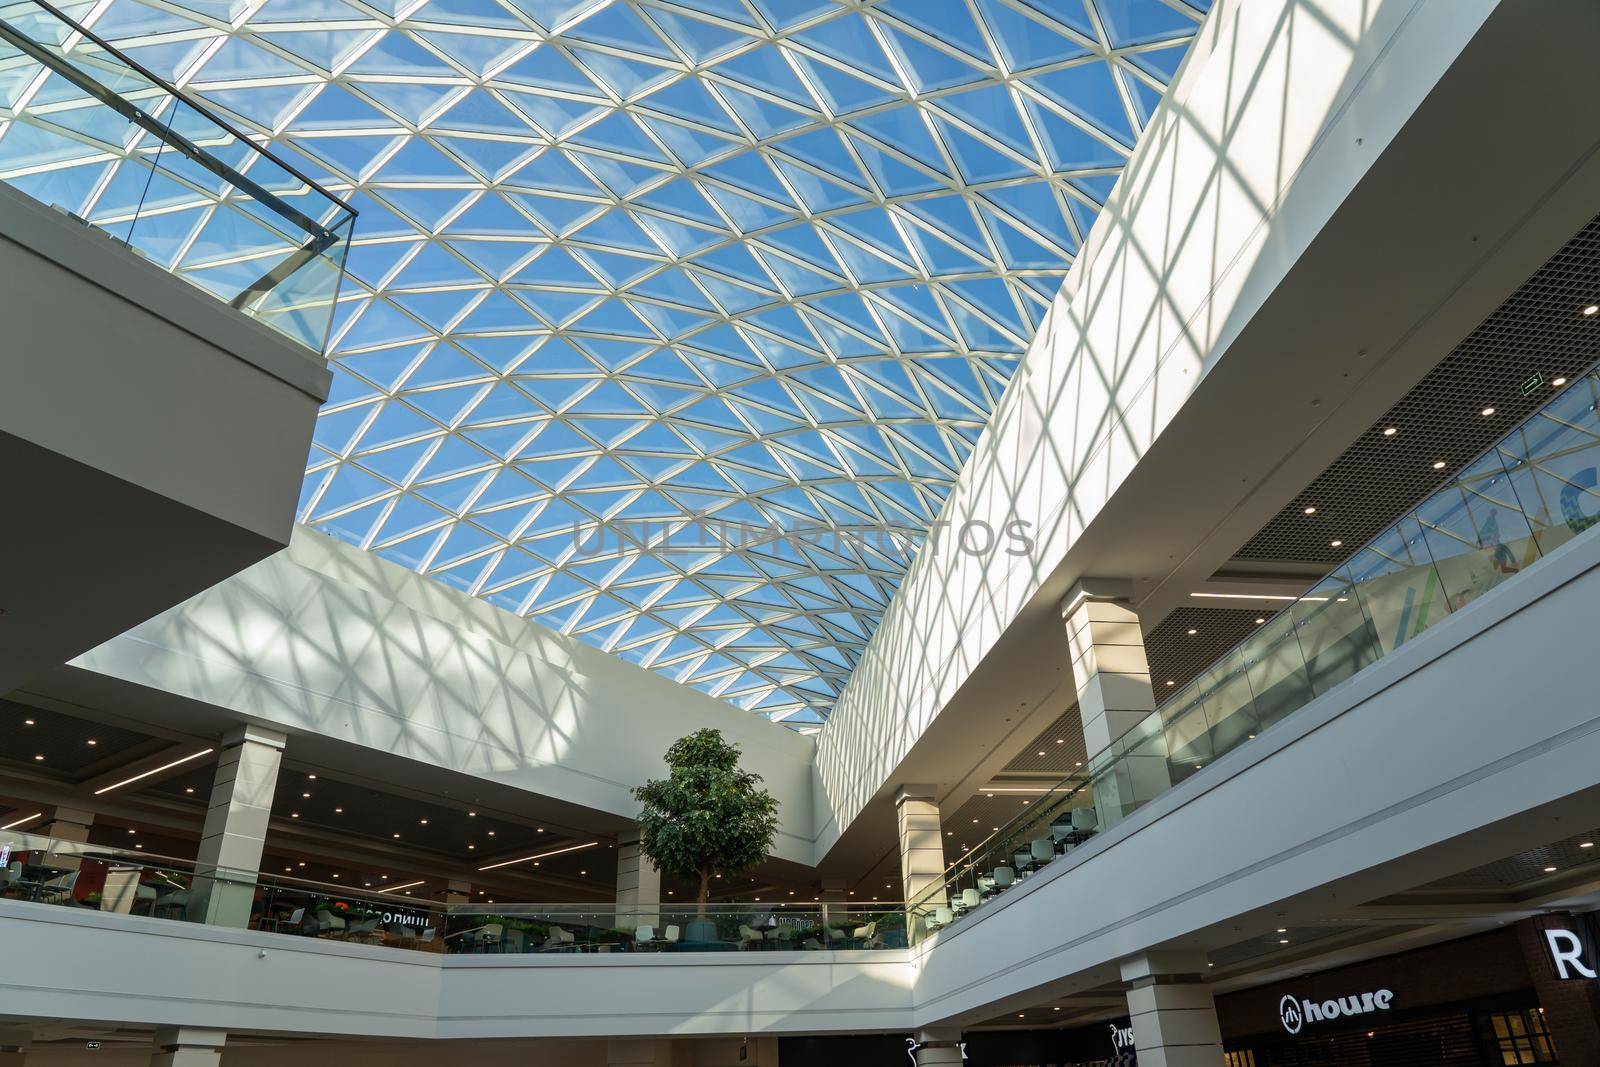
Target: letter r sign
point(1568, 955)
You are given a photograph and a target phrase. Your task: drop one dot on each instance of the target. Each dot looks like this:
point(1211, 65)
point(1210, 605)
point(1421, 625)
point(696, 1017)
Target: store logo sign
point(1121, 1036)
point(1295, 1013)
point(1568, 953)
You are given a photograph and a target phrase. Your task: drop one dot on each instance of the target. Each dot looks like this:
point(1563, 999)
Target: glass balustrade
point(1533, 491)
point(89, 131)
point(120, 881)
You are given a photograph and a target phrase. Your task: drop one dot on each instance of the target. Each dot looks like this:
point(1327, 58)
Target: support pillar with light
point(1173, 1013)
point(638, 884)
point(1106, 644)
point(187, 1046)
point(235, 832)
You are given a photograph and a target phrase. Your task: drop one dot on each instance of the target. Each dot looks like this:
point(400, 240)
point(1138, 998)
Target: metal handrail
point(322, 236)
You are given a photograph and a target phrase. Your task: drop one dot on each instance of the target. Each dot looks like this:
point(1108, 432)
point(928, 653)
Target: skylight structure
point(679, 263)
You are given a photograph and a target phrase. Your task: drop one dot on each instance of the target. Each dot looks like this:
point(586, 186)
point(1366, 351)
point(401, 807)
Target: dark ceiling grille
point(63, 741)
point(1529, 866)
point(1509, 363)
point(1057, 751)
point(1176, 655)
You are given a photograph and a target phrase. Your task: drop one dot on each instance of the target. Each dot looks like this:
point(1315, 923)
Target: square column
point(184, 1046)
point(69, 825)
point(1173, 1012)
point(638, 884)
point(1106, 643)
point(235, 832)
point(937, 1048)
point(921, 852)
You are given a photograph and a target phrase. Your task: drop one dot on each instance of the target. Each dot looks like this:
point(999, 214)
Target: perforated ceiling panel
point(1509, 365)
point(1057, 751)
point(1191, 639)
point(1530, 866)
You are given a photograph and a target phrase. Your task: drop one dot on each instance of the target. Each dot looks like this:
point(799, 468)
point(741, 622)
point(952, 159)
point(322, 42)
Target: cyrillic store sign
point(1296, 1013)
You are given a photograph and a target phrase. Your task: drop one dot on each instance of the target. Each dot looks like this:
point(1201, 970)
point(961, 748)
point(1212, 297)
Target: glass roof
point(770, 262)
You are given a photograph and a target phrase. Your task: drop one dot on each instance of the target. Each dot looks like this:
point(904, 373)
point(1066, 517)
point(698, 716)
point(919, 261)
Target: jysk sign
point(1296, 1013)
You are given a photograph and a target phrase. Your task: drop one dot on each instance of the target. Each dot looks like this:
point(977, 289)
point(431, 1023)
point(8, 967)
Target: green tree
point(707, 817)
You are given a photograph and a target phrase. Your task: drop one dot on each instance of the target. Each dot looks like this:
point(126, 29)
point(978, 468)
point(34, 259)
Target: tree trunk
point(705, 891)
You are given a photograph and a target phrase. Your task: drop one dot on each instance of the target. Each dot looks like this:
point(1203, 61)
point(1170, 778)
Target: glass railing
point(121, 881)
point(1533, 491)
point(89, 131)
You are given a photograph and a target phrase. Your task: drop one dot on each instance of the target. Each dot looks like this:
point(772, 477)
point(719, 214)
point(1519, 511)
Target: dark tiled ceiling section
point(1176, 655)
point(63, 741)
point(1539, 332)
point(1058, 751)
point(1529, 866)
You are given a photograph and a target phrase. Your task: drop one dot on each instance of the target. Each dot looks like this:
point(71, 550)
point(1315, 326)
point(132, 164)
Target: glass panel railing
point(74, 874)
point(89, 131)
point(1537, 488)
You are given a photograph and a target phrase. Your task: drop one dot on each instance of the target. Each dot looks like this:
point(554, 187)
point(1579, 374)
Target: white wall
point(326, 639)
point(1243, 165)
point(1477, 740)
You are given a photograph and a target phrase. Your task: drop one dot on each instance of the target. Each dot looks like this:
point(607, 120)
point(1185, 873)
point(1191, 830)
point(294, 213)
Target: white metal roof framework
point(771, 262)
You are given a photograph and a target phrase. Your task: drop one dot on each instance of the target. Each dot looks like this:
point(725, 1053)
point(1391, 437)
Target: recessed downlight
point(1390, 431)
point(1558, 382)
point(1438, 464)
point(1592, 309)
point(1311, 510)
point(1486, 412)
point(1335, 543)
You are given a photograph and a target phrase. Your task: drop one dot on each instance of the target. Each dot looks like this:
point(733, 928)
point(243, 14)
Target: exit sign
point(1531, 384)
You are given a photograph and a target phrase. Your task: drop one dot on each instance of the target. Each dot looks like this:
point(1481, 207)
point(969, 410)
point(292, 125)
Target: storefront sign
point(1121, 1037)
point(405, 918)
point(1295, 1013)
point(1572, 952)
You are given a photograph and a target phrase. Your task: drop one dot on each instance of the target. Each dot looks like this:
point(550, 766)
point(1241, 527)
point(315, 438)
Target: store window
point(1515, 1037)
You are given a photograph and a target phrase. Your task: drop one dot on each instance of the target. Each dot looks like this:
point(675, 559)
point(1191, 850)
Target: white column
point(235, 832)
point(1112, 673)
point(638, 884)
point(68, 825)
point(921, 853)
point(938, 1048)
point(1173, 1013)
point(184, 1046)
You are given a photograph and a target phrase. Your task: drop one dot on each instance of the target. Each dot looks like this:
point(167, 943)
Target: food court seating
point(866, 936)
point(1004, 878)
point(970, 898)
point(559, 940)
point(750, 937)
point(1043, 851)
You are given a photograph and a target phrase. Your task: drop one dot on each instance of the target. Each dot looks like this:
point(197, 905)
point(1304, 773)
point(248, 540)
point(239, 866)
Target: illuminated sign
point(1295, 1013)
point(1121, 1037)
point(1571, 952)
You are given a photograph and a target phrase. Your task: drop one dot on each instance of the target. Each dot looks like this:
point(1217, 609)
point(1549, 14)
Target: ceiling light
point(1061, 740)
point(1591, 309)
point(154, 770)
point(1171, 682)
point(189, 789)
point(491, 833)
point(424, 822)
point(338, 811)
point(540, 855)
point(397, 837)
point(131, 830)
point(312, 777)
point(39, 758)
point(1055, 1009)
point(1558, 382)
point(92, 741)
point(472, 815)
point(1283, 929)
point(296, 815)
point(1486, 412)
point(398, 888)
point(37, 815)
point(1549, 870)
point(1193, 632)
point(1041, 752)
point(583, 872)
point(27, 722)
point(1311, 510)
point(1335, 543)
point(1390, 431)
point(306, 796)
point(1438, 464)
point(334, 875)
point(1283, 940)
point(1260, 621)
point(1584, 844)
point(470, 847)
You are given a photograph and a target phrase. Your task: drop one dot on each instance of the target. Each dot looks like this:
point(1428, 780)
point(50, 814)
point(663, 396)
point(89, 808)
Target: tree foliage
point(707, 817)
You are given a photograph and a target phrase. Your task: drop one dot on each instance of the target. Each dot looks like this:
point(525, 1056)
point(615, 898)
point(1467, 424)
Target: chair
point(986, 885)
point(970, 898)
point(491, 935)
point(10, 876)
point(1022, 861)
point(1061, 830)
point(1004, 878)
point(364, 930)
point(784, 935)
point(329, 924)
point(941, 917)
point(297, 919)
point(177, 900)
point(427, 935)
point(672, 935)
point(122, 889)
point(58, 890)
point(1084, 821)
point(559, 940)
point(1043, 850)
point(515, 941)
point(750, 938)
point(405, 935)
point(645, 935)
point(866, 936)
